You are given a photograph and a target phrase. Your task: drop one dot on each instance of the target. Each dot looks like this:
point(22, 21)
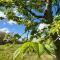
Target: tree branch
point(34, 14)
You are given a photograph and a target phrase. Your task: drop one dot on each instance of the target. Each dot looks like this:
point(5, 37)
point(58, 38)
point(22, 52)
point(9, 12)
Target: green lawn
point(6, 53)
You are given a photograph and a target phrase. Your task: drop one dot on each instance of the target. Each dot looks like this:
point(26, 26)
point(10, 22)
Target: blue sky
point(13, 27)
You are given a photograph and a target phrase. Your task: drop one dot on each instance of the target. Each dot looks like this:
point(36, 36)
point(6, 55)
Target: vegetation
point(9, 38)
point(31, 9)
point(7, 50)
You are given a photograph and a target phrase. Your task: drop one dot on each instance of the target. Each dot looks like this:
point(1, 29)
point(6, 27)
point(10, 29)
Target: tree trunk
point(57, 44)
point(57, 51)
point(48, 15)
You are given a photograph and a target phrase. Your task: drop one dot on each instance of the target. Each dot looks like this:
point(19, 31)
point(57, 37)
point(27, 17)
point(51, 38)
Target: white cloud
point(35, 40)
point(2, 14)
point(4, 30)
point(42, 26)
point(11, 22)
point(20, 39)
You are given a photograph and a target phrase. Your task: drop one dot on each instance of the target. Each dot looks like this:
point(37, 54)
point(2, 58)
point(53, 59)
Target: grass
point(6, 53)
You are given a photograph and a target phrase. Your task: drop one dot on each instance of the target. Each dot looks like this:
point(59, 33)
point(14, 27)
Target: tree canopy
point(30, 11)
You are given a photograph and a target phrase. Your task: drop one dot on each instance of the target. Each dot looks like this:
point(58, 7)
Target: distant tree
point(15, 38)
point(11, 38)
point(2, 35)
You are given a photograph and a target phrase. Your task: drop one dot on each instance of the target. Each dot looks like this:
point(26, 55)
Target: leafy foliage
point(36, 47)
point(55, 27)
point(28, 9)
point(21, 51)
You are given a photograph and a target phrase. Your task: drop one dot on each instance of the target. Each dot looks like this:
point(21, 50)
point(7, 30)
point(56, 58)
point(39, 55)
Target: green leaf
point(20, 52)
point(41, 49)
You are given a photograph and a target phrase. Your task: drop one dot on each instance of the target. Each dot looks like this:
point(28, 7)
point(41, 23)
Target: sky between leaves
point(13, 27)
